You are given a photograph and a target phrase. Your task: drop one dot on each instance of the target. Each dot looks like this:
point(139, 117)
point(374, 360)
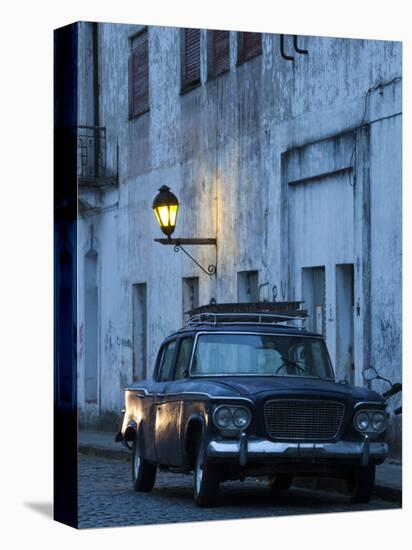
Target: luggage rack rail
point(278, 319)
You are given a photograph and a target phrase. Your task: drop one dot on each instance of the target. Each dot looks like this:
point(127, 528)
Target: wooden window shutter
point(139, 76)
point(218, 54)
point(190, 58)
point(249, 44)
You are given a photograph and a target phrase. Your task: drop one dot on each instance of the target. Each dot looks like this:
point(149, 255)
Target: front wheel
point(206, 480)
point(361, 484)
point(143, 472)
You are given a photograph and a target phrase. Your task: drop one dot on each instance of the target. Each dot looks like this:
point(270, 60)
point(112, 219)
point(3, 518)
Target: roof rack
point(267, 313)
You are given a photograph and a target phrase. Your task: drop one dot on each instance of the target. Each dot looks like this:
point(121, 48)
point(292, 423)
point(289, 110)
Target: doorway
point(345, 303)
point(91, 327)
point(314, 296)
point(139, 327)
point(190, 295)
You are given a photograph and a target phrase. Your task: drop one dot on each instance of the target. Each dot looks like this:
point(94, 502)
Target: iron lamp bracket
point(178, 245)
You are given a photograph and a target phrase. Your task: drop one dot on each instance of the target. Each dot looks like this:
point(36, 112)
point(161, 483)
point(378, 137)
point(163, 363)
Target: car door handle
point(141, 395)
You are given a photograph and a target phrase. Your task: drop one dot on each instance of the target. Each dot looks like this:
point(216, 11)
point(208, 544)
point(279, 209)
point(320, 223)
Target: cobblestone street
point(106, 499)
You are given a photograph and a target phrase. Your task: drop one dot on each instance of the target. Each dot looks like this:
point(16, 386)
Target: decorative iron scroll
point(211, 269)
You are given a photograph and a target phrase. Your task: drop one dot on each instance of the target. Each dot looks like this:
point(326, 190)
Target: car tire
point(361, 484)
point(143, 472)
point(206, 480)
point(280, 482)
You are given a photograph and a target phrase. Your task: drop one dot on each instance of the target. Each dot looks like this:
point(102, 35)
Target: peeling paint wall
point(220, 148)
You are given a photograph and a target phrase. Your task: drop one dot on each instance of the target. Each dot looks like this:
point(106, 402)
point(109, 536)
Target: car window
point(182, 363)
point(260, 354)
point(167, 361)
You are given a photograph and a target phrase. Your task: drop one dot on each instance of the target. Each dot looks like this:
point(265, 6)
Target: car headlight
point(223, 417)
point(232, 417)
point(379, 422)
point(362, 421)
point(370, 421)
point(241, 417)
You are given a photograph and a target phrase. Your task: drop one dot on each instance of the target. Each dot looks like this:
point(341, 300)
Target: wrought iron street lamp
point(165, 207)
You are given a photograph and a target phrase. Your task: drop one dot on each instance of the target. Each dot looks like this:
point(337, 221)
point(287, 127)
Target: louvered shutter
point(249, 44)
point(190, 58)
point(218, 52)
point(139, 76)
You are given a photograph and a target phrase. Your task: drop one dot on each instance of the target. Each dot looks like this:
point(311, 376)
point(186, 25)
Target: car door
point(169, 409)
point(149, 405)
point(176, 401)
point(165, 414)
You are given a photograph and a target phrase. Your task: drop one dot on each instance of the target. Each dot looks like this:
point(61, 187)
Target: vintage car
point(237, 393)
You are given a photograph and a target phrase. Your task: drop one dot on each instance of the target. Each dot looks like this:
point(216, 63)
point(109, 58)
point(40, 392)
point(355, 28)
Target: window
point(139, 75)
point(183, 358)
point(249, 44)
point(218, 53)
point(190, 59)
point(248, 286)
point(260, 354)
point(190, 295)
point(166, 363)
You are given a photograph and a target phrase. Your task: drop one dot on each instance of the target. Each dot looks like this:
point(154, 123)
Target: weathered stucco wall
point(220, 148)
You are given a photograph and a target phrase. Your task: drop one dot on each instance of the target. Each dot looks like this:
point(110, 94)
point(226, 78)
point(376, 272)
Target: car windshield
point(260, 355)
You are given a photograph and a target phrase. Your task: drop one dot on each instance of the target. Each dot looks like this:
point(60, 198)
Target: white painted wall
point(220, 148)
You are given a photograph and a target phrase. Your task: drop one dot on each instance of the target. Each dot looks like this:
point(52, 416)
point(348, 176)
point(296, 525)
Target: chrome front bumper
point(261, 449)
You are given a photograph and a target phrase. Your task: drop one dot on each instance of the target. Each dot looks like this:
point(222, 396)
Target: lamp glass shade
point(165, 207)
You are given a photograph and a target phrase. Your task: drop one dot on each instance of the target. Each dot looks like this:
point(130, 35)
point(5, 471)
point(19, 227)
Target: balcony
point(92, 168)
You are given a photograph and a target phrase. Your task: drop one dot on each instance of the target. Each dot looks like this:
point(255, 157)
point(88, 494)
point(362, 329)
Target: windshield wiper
point(291, 362)
point(296, 365)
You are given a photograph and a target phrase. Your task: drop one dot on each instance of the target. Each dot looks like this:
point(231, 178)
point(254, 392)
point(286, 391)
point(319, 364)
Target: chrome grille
point(300, 419)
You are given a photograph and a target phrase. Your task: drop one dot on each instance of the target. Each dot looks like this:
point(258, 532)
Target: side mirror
point(370, 373)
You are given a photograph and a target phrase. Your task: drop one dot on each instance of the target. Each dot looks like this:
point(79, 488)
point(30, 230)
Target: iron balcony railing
point(92, 157)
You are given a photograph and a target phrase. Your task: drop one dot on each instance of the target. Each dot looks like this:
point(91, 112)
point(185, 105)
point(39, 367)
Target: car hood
point(283, 385)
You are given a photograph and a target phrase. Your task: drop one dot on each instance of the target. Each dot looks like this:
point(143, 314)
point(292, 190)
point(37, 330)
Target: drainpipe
point(96, 90)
